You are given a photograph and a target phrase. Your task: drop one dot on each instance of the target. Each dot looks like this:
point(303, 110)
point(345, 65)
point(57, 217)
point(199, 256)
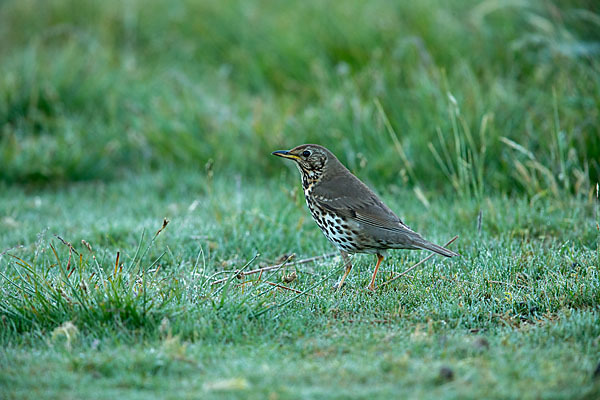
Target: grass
point(477, 119)
point(515, 316)
point(136, 85)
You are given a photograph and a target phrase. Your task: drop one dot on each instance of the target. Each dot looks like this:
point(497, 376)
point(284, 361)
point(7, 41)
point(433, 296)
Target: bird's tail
point(426, 245)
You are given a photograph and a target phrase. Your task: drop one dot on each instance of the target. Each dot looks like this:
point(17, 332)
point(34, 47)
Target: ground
point(515, 316)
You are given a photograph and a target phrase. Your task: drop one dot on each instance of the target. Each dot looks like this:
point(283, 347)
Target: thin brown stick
point(272, 267)
point(303, 261)
point(269, 268)
point(416, 265)
point(315, 258)
point(241, 274)
point(282, 287)
point(269, 283)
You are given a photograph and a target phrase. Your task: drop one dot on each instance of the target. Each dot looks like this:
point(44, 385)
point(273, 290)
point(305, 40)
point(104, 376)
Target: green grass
point(139, 85)
point(516, 316)
point(477, 119)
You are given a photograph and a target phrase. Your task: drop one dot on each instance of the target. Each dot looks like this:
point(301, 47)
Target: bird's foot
point(371, 288)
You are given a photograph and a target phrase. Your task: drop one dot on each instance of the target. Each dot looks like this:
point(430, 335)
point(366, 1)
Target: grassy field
point(138, 195)
point(516, 316)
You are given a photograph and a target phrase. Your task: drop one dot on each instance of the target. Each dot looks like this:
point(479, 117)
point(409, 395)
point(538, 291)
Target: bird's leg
point(348, 265)
point(371, 286)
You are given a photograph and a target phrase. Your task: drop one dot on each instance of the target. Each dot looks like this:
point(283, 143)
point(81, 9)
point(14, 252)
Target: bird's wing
point(354, 200)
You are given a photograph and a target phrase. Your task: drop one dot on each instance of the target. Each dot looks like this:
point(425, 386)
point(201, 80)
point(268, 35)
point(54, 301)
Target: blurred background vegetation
point(471, 96)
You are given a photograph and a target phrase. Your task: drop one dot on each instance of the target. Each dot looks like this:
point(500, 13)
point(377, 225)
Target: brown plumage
point(350, 215)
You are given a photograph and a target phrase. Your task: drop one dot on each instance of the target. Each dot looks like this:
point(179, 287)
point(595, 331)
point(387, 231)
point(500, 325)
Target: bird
point(352, 216)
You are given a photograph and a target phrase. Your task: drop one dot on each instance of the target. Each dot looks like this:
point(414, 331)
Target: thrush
point(350, 215)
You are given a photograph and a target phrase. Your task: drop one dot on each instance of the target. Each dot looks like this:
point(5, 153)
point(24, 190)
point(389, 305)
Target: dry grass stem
point(282, 287)
point(275, 267)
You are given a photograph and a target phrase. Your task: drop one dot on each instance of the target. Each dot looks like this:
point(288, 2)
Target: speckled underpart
point(342, 233)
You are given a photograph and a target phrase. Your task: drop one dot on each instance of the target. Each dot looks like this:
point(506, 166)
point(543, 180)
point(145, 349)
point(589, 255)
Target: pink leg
point(371, 286)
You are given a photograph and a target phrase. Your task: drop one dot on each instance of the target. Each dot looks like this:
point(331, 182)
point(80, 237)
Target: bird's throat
point(309, 179)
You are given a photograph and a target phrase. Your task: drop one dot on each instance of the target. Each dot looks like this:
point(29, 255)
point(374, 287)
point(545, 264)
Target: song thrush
point(350, 215)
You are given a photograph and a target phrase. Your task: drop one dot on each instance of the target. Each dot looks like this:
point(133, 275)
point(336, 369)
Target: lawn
point(141, 211)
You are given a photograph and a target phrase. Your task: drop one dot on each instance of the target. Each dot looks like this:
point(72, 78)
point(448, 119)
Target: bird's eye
point(305, 153)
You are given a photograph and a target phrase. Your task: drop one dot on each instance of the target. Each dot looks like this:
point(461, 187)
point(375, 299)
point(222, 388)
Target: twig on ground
point(269, 283)
point(303, 261)
point(275, 267)
point(264, 310)
point(240, 274)
point(233, 275)
point(282, 287)
point(415, 266)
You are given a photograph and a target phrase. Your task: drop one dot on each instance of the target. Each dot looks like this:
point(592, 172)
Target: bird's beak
point(285, 154)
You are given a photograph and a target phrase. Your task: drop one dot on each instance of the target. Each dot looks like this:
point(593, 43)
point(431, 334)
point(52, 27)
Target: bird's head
point(311, 159)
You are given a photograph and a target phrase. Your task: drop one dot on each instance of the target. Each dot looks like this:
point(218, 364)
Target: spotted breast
point(341, 232)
